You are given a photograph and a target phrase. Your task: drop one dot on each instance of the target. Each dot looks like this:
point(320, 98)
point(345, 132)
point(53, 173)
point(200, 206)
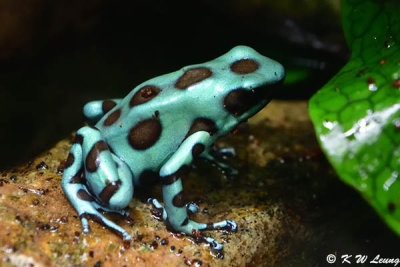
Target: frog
point(157, 130)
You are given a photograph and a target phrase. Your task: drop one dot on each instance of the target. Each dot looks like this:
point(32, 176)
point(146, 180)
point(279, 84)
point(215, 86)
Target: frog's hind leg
point(108, 184)
point(94, 110)
point(175, 208)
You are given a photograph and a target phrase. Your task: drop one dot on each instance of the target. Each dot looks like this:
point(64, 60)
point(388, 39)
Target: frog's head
point(253, 80)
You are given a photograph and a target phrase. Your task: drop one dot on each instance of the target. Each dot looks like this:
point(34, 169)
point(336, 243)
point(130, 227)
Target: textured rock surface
point(276, 148)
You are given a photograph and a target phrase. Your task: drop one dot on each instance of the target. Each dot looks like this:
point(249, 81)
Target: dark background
point(57, 55)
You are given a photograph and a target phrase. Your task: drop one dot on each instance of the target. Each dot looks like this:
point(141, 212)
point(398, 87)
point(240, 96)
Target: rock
point(275, 151)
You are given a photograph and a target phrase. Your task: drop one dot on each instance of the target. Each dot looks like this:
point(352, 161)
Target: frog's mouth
point(246, 102)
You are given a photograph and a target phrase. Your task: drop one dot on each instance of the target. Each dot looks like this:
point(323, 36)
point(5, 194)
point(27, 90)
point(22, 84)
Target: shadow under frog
point(160, 126)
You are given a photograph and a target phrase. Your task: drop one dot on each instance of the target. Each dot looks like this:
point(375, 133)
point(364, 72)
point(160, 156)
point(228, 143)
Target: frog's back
point(150, 123)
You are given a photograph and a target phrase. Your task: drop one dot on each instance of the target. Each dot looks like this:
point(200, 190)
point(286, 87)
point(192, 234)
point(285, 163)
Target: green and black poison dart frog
point(159, 127)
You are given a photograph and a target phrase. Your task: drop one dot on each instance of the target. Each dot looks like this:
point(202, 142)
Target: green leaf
point(356, 115)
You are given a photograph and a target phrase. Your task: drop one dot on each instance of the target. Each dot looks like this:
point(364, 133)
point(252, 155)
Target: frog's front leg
point(94, 110)
point(175, 207)
point(108, 184)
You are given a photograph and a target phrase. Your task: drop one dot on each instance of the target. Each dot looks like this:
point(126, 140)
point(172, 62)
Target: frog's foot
point(225, 151)
point(107, 185)
point(194, 229)
point(160, 212)
point(175, 206)
point(87, 208)
point(122, 212)
point(225, 168)
point(214, 155)
point(192, 207)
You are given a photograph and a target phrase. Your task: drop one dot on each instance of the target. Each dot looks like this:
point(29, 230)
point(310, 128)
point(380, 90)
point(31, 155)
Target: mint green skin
point(118, 166)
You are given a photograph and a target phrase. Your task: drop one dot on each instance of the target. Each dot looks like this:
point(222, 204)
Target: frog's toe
point(213, 243)
point(227, 151)
point(192, 207)
point(194, 229)
point(231, 171)
point(160, 212)
point(227, 225)
point(231, 226)
point(122, 212)
point(222, 166)
point(99, 218)
point(126, 237)
point(85, 225)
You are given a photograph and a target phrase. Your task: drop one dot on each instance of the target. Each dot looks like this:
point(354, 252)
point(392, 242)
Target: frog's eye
point(239, 101)
point(244, 66)
point(192, 76)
